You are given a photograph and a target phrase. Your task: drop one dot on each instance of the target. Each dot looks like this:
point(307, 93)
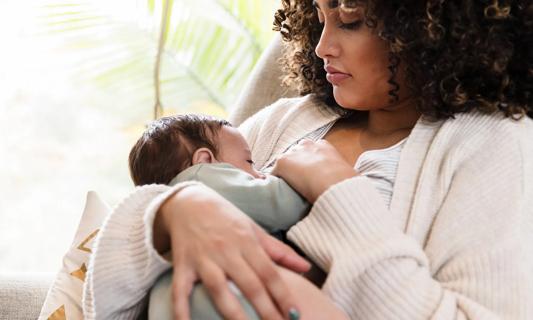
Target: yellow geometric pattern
point(80, 273)
point(59, 314)
point(82, 246)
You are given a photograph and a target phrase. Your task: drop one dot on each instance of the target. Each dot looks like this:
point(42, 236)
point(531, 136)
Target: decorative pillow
point(63, 300)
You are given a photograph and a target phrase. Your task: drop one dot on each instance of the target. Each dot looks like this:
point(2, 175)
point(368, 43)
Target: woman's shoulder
point(490, 126)
point(472, 133)
point(283, 121)
point(287, 106)
point(286, 112)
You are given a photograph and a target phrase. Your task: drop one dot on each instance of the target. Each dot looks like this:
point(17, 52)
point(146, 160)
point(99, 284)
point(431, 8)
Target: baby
point(210, 150)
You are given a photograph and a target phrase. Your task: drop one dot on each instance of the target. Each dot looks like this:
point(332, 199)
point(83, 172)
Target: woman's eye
point(351, 26)
point(250, 162)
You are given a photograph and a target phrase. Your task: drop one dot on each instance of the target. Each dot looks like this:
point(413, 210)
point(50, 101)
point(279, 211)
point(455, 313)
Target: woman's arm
point(123, 264)
point(474, 264)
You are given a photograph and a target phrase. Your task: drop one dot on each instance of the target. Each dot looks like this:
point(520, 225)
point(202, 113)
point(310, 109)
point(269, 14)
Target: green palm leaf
point(209, 47)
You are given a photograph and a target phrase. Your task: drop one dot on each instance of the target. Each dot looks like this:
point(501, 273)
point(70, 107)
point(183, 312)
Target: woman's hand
point(213, 241)
point(314, 304)
point(312, 167)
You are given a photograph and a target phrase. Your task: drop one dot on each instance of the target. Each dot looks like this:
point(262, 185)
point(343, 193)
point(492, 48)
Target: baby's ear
point(203, 155)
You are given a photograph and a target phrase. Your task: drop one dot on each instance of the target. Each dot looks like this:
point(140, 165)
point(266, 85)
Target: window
point(77, 89)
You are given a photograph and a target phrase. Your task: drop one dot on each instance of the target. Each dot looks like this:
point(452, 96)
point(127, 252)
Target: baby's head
point(173, 144)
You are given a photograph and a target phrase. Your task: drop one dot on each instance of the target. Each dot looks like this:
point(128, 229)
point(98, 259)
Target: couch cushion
point(264, 85)
point(63, 300)
point(22, 295)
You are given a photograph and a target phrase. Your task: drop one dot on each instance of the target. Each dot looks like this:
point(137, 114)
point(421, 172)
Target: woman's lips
point(335, 76)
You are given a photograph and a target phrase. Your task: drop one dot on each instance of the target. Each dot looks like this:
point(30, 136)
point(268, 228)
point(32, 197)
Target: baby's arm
point(270, 202)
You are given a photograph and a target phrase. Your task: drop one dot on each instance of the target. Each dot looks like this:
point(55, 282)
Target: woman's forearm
point(460, 270)
point(161, 237)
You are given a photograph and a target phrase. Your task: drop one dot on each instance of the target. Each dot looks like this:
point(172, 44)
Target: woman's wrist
point(336, 176)
point(161, 233)
point(312, 302)
point(163, 218)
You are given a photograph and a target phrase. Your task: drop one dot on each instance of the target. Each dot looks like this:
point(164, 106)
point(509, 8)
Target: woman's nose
point(327, 45)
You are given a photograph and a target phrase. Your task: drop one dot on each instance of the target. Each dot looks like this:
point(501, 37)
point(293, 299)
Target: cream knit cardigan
point(456, 243)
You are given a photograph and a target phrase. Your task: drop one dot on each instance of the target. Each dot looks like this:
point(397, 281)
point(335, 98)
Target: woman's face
point(356, 59)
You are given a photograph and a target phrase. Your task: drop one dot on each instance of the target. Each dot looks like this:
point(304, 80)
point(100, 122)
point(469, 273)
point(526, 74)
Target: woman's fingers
point(182, 283)
point(268, 274)
point(217, 285)
point(253, 289)
point(281, 253)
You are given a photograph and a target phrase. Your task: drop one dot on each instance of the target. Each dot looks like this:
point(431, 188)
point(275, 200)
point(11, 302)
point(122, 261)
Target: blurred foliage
point(210, 47)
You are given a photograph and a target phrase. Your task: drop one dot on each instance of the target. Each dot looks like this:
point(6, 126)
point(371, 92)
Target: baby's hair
point(166, 147)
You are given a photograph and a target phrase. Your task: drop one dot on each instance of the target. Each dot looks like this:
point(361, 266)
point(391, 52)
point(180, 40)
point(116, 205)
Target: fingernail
point(294, 314)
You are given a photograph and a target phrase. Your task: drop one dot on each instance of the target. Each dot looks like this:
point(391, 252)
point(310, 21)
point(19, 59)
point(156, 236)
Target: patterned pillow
point(63, 300)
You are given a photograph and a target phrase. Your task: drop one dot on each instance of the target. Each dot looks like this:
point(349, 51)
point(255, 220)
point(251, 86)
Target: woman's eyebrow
point(332, 4)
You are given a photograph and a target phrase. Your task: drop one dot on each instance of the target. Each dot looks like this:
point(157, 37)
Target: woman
point(442, 229)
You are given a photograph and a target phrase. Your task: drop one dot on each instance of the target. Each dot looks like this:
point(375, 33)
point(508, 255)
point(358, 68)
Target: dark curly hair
point(459, 55)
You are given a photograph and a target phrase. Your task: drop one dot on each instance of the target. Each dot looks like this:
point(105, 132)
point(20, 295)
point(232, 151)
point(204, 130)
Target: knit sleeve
point(473, 264)
point(124, 263)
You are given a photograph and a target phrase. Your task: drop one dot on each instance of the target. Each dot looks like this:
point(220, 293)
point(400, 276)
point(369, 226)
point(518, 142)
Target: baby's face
point(233, 149)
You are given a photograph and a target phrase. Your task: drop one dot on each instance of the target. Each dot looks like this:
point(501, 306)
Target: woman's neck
point(388, 121)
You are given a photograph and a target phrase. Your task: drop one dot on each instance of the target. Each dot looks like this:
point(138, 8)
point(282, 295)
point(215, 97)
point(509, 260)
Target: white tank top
point(378, 165)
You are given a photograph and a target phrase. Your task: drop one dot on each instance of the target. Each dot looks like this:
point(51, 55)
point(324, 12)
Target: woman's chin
point(349, 103)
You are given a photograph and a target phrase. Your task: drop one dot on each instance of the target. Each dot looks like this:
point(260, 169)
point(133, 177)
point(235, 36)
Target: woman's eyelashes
point(250, 162)
point(347, 26)
point(340, 24)
point(350, 26)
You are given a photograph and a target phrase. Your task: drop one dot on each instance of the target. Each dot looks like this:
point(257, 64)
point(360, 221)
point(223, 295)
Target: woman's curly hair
point(459, 55)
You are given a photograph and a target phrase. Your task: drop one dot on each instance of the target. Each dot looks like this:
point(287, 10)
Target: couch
point(22, 295)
